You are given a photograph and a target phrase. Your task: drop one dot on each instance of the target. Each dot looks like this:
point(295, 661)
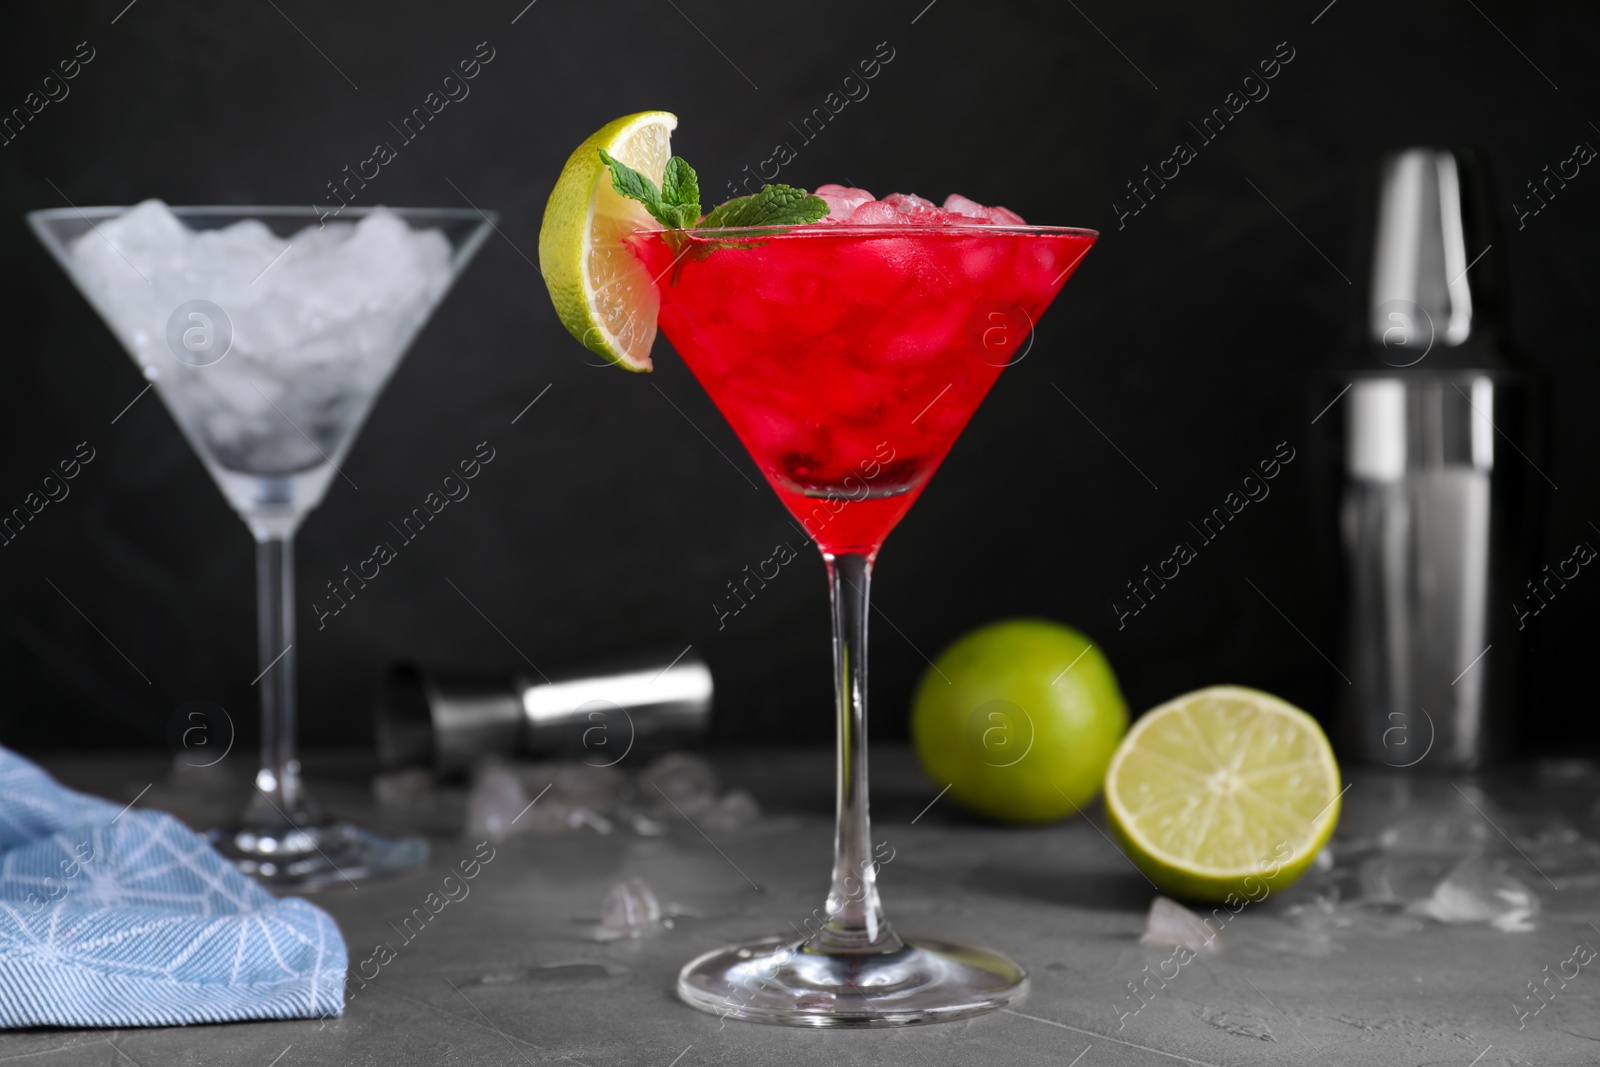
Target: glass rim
point(105, 211)
point(873, 230)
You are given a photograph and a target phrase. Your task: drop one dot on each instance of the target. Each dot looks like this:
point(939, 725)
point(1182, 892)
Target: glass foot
point(317, 855)
point(777, 980)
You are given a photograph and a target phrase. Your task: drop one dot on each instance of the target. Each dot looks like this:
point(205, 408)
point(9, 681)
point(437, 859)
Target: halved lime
point(602, 294)
point(1223, 791)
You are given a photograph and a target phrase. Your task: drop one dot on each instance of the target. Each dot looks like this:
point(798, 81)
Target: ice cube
point(1004, 216)
point(1481, 891)
point(911, 204)
point(409, 790)
point(679, 780)
point(960, 205)
point(1171, 925)
point(1401, 878)
point(584, 783)
point(553, 818)
point(496, 803)
point(736, 808)
point(629, 909)
point(572, 797)
point(842, 199)
point(147, 227)
point(876, 213)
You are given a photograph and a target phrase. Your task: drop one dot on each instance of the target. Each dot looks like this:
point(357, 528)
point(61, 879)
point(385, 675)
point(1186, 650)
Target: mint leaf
point(774, 205)
point(680, 187)
point(635, 186)
point(676, 205)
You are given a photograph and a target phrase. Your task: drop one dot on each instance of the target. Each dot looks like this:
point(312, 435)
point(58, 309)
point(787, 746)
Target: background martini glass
point(268, 334)
point(848, 359)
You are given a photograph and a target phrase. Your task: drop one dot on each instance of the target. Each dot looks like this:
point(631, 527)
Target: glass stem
point(855, 915)
point(279, 799)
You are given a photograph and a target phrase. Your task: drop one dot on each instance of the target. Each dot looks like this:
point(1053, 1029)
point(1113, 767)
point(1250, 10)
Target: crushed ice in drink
point(912, 204)
point(962, 206)
point(842, 199)
point(1171, 925)
point(318, 322)
point(857, 207)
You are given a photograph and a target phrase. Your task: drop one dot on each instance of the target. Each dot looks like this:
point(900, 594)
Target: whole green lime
point(1020, 719)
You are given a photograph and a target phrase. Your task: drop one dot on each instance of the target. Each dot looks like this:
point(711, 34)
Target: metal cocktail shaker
point(1435, 510)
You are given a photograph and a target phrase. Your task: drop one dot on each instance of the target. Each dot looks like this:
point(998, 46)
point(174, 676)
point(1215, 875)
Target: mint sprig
point(676, 204)
point(681, 188)
point(774, 205)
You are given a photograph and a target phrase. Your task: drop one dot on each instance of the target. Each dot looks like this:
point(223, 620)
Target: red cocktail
point(849, 358)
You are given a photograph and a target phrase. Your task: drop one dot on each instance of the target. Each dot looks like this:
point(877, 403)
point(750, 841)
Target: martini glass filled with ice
point(268, 333)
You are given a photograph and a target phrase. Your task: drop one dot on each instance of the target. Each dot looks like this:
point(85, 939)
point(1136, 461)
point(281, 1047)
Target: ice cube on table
point(411, 789)
point(734, 809)
point(679, 780)
point(554, 818)
point(1479, 890)
point(1171, 925)
point(496, 802)
point(629, 909)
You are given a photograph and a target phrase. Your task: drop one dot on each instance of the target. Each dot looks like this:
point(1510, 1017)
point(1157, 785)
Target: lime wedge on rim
point(602, 294)
point(1223, 791)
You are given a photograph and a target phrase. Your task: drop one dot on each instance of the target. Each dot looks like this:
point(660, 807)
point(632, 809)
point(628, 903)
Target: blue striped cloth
point(114, 918)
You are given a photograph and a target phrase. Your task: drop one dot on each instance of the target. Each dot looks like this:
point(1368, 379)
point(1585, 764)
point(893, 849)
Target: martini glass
point(848, 359)
point(268, 332)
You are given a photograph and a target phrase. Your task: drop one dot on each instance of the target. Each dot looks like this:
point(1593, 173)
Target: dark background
point(608, 523)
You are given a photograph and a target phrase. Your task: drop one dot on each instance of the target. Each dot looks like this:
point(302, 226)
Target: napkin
point(112, 917)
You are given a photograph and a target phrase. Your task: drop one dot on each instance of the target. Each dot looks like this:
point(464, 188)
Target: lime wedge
point(602, 293)
point(1223, 791)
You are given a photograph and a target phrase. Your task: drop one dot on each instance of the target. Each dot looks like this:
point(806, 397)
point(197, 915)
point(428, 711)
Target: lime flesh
point(601, 292)
point(1223, 793)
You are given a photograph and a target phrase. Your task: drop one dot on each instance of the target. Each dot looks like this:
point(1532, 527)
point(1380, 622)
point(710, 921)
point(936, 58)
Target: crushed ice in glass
point(318, 321)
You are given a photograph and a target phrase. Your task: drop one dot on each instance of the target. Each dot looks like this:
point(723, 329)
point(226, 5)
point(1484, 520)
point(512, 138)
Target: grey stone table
point(513, 974)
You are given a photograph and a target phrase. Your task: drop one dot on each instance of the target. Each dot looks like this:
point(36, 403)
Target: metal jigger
point(1435, 501)
point(447, 721)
